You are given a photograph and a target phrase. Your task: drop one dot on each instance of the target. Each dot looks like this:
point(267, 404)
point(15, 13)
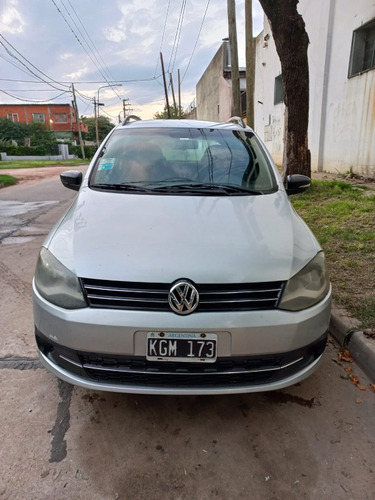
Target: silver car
point(181, 267)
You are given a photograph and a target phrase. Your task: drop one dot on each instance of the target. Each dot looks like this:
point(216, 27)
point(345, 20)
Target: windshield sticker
point(106, 163)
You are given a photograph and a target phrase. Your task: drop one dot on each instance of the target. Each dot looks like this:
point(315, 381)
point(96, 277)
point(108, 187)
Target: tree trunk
point(291, 40)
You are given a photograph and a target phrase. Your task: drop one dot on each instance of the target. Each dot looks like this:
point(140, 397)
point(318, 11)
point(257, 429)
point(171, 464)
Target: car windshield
point(179, 160)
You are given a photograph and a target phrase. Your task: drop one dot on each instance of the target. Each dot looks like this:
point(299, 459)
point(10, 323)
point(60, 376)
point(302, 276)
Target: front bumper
point(116, 373)
point(105, 349)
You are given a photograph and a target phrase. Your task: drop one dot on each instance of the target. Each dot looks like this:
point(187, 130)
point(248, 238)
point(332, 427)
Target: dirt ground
point(31, 174)
point(311, 441)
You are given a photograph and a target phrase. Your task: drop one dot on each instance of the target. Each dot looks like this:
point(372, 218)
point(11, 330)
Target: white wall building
point(342, 86)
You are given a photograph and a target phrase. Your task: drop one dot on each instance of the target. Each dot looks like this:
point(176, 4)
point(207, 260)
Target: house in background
point(60, 118)
point(214, 89)
point(342, 87)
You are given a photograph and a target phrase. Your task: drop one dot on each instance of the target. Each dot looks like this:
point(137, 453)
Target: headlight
point(308, 287)
point(56, 283)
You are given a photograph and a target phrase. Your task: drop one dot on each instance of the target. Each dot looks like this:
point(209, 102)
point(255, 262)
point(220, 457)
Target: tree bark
point(291, 40)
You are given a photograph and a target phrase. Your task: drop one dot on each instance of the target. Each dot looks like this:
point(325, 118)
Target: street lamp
point(98, 104)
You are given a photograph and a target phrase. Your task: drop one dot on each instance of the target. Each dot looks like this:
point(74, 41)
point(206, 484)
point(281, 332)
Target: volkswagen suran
point(181, 267)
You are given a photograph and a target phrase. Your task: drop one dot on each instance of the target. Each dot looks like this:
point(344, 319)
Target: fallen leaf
point(372, 387)
point(355, 381)
point(345, 356)
point(359, 400)
point(349, 369)
point(336, 361)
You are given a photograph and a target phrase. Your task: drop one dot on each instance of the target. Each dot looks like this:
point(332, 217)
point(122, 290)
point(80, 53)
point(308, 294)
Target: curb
point(347, 332)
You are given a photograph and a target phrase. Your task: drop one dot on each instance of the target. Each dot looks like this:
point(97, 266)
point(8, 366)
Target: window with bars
point(279, 90)
point(39, 117)
point(60, 117)
point(13, 117)
point(362, 56)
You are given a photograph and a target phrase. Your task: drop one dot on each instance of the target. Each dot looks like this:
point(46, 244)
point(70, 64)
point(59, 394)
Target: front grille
point(154, 296)
point(140, 371)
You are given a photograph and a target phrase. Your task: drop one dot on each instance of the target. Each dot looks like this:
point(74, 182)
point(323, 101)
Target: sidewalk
point(361, 343)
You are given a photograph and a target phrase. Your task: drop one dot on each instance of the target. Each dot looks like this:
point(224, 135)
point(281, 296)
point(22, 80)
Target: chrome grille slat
point(121, 290)
point(185, 373)
point(237, 292)
point(154, 296)
point(223, 301)
point(129, 299)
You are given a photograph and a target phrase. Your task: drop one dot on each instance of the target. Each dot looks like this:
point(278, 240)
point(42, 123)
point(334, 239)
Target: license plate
point(185, 347)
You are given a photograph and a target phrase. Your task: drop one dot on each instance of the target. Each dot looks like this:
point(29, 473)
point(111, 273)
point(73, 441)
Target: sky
point(46, 45)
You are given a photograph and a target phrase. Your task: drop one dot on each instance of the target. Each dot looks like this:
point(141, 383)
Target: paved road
point(315, 440)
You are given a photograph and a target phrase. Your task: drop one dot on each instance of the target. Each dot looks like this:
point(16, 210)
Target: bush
point(26, 151)
point(89, 151)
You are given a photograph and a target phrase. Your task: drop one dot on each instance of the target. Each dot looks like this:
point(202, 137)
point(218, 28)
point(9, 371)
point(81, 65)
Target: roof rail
point(130, 117)
point(237, 120)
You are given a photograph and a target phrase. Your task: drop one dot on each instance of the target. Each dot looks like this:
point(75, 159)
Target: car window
point(158, 158)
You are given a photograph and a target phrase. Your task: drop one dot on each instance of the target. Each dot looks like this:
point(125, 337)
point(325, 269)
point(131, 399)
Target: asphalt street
point(315, 440)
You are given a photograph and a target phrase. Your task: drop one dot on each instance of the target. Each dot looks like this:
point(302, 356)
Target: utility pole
point(165, 86)
point(235, 74)
point(179, 93)
point(124, 104)
point(173, 96)
point(96, 122)
point(250, 63)
point(78, 123)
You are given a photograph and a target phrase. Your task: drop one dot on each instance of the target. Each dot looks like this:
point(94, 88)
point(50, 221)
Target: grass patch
point(40, 163)
point(342, 217)
point(7, 180)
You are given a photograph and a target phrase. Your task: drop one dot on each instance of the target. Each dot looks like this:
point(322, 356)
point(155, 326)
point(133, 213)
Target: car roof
point(234, 123)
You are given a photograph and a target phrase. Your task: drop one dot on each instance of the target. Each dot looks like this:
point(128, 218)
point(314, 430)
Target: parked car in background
point(181, 267)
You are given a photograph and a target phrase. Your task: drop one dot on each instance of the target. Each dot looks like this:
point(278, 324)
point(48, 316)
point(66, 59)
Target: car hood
point(152, 238)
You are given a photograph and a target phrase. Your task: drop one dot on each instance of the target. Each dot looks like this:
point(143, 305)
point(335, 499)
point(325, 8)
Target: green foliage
point(7, 180)
point(10, 130)
point(38, 163)
point(4, 144)
point(342, 217)
point(39, 134)
point(163, 115)
point(89, 151)
point(25, 151)
point(104, 125)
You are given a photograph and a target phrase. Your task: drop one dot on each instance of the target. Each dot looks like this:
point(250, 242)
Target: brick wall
point(58, 117)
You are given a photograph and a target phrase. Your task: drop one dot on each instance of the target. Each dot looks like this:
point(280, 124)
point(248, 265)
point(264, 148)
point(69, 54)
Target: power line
point(91, 41)
point(114, 82)
point(30, 100)
point(30, 63)
point(177, 37)
point(83, 37)
point(162, 36)
point(84, 48)
point(196, 41)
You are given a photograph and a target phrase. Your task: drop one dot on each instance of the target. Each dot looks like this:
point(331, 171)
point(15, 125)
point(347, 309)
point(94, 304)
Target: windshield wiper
point(206, 188)
point(194, 188)
point(122, 187)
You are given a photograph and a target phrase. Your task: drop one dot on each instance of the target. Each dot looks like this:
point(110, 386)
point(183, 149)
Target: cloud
point(66, 56)
point(124, 43)
point(78, 74)
point(11, 19)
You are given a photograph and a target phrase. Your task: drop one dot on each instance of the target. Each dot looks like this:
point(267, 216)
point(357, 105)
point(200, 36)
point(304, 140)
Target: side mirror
point(71, 179)
point(297, 183)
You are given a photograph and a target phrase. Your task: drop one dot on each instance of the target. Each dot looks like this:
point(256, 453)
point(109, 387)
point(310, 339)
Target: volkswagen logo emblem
point(183, 297)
